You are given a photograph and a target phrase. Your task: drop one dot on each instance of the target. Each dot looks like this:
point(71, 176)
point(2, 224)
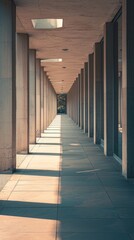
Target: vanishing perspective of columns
point(99, 87)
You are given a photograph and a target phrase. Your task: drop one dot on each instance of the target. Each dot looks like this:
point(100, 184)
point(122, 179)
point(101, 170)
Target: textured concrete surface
point(7, 87)
point(66, 189)
point(32, 96)
point(22, 95)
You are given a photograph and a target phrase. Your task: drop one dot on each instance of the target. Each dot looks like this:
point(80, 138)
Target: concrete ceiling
point(83, 26)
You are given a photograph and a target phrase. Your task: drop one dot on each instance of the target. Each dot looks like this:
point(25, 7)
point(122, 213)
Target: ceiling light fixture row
point(49, 23)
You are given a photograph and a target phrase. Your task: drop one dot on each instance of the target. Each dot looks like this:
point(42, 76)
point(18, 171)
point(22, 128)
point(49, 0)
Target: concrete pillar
point(47, 101)
point(128, 88)
point(45, 124)
point(75, 100)
point(38, 98)
point(78, 100)
point(81, 99)
point(85, 90)
point(22, 94)
point(97, 93)
point(32, 96)
point(42, 99)
point(108, 89)
point(7, 87)
point(91, 95)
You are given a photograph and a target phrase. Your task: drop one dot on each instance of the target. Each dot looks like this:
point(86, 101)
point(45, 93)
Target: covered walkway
point(66, 189)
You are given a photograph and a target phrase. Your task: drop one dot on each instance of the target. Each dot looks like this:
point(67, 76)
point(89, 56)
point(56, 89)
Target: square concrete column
point(128, 88)
point(81, 98)
point(74, 101)
point(22, 93)
point(7, 86)
point(42, 99)
point(76, 109)
point(32, 96)
point(38, 98)
point(85, 105)
point(109, 89)
point(45, 99)
point(97, 93)
point(91, 95)
point(78, 100)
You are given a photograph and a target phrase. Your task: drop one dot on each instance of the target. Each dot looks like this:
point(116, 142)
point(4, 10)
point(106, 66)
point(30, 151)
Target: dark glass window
point(118, 88)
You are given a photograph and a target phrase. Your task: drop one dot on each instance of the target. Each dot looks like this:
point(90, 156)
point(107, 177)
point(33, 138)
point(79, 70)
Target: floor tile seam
point(107, 194)
point(12, 190)
point(93, 164)
point(27, 163)
point(23, 159)
point(33, 147)
point(31, 157)
point(94, 169)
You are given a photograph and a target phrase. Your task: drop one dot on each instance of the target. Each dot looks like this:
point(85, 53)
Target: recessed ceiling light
point(51, 60)
point(47, 23)
point(65, 49)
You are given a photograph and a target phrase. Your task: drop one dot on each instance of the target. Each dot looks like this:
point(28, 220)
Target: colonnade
point(28, 102)
point(91, 99)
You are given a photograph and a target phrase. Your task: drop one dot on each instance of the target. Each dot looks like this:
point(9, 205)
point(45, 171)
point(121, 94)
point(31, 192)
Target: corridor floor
point(66, 189)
